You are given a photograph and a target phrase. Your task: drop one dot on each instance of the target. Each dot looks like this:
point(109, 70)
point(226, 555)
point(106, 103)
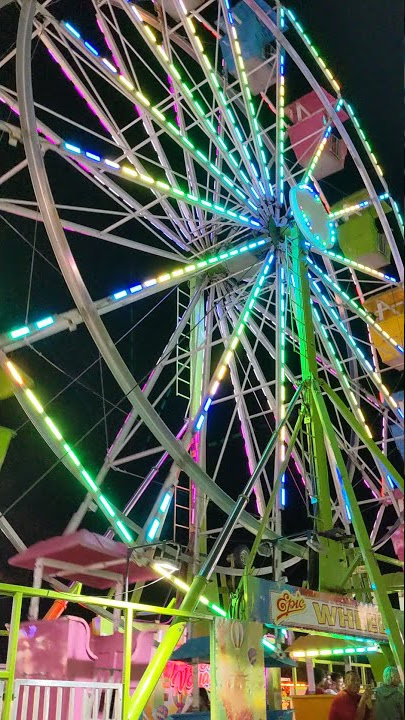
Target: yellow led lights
point(314, 52)
point(66, 452)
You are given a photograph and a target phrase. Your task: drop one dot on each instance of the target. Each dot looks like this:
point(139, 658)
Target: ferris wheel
point(196, 139)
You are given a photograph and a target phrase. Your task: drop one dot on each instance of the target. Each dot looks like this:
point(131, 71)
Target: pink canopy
point(84, 548)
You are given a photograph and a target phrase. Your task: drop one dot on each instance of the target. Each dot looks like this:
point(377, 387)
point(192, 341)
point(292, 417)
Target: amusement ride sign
point(287, 606)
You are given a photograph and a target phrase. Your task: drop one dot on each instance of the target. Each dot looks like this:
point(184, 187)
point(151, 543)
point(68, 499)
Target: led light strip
point(179, 273)
point(355, 208)
point(211, 75)
point(104, 505)
point(134, 205)
point(315, 159)
point(366, 316)
point(359, 266)
point(130, 173)
point(231, 346)
point(367, 645)
point(325, 652)
point(261, 157)
point(365, 142)
point(253, 329)
point(283, 407)
point(185, 587)
point(320, 61)
point(340, 370)
point(344, 493)
point(398, 215)
point(160, 118)
point(109, 41)
point(196, 105)
point(280, 122)
point(358, 352)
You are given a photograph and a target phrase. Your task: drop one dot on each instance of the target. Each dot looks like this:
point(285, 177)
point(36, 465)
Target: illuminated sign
point(287, 606)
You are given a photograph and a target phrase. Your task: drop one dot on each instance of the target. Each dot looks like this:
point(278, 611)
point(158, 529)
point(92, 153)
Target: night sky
point(362, 40)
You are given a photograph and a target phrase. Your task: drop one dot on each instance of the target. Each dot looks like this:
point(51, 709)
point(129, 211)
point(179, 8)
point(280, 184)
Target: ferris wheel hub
point(312, 218)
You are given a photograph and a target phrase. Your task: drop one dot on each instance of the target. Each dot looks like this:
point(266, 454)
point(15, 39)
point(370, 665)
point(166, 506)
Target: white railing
point(65, 700)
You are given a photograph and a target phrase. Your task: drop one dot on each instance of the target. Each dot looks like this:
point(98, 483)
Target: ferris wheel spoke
point(280, 120)
point(88, 231)
point(242, 411)
point(190, 170)
point(127, 90)
point(347, 210)
point(250, 355)
point(187, 96)
point(104, 116)
point(320, 147)
point(306, 72)
point(28, 334)
point(270, 398)
point(366, 365)
point(111, 167)
point(356, 307)
point(226, 356)
point(260, 156)
point(375, 360)
point(184, 209)
point(346, 384)
point(370, 444)
point(233, 126)
point(358, 267)
point(127, 430)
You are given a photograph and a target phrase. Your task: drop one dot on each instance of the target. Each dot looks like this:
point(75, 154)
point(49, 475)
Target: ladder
point(183, 371)
point(182, 510)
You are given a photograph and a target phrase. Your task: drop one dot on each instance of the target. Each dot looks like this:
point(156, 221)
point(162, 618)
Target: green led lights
point(67, 452)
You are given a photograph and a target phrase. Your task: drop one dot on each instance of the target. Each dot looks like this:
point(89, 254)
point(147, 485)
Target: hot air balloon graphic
point(162, 713)
point(252, 656)
point(237, 634)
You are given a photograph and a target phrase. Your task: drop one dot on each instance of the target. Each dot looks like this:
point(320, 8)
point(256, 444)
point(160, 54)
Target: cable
point(31, 272)
point(30, 244)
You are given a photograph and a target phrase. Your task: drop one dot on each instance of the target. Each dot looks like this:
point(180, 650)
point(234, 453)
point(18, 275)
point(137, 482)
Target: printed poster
point(237, 671)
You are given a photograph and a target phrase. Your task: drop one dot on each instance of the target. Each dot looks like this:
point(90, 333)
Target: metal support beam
point(270, 504)
point(12, 656)
point(376, 579)
point(358, 429)
point(332, 562)
point(156, 666)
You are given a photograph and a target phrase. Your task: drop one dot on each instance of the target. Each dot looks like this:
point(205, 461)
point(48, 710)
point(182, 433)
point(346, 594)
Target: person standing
point(349, 704)
point(389, 698)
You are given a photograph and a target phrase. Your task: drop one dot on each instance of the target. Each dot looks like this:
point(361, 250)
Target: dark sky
point(362, 41)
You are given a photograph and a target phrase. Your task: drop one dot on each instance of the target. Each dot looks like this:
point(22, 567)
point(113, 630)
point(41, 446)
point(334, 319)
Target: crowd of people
point(385, 703)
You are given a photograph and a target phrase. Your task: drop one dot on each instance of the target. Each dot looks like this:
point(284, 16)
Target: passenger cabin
point(309, 120)
point(388, 308)
point(360, 235)
point(172, 10)
point(395, 430)
point(256, 42)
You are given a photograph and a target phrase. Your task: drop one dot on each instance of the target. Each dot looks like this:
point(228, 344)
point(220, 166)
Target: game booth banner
point(284, 605)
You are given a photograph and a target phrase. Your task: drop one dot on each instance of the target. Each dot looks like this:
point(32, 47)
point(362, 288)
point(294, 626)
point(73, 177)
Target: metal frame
point(188, 225)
